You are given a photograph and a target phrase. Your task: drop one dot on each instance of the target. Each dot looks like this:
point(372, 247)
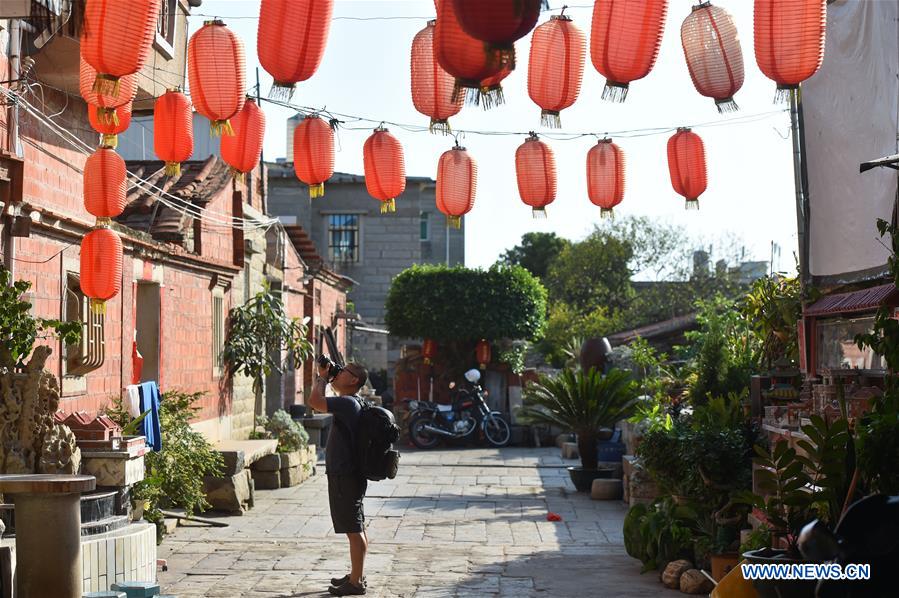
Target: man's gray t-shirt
point(340, 456)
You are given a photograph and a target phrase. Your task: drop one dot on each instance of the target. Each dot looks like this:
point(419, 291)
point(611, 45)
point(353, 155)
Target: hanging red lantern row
point(499, 24)
point(789, 41)
point(216, 71)
point(482, 353)
point(105, 184)
point(432, 86)
point(109, 129)
point(173, 130)
point(457, 181)
point(291, 40)
point(686, 165)
point(104, 105)
point(116, 39)
point(625, 41)
point(605, 176)
point(101, 267)
point(461, 55)
point(242, 150)
point(535, 169)
point(384, 167)
point(556, 67)
point(313, 153)
point(714, 57)
point(429, 350)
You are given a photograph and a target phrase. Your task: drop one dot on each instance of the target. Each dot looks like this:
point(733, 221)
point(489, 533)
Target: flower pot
point(583, 478)
point(723, 563)
point(779, 588)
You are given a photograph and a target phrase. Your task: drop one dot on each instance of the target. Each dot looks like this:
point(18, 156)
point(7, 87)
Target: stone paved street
point(455, 522)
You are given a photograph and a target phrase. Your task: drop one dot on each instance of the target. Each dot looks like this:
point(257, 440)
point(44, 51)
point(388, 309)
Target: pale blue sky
point(365, 72)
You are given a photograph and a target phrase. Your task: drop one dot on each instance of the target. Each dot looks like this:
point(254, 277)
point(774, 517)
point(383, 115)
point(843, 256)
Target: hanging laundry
point(149, 400)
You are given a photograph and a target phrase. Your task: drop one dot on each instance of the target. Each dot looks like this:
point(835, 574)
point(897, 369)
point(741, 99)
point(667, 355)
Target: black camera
point(333, 368)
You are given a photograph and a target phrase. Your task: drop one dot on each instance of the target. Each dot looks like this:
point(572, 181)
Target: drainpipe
point(12, 120)
point(802, 215)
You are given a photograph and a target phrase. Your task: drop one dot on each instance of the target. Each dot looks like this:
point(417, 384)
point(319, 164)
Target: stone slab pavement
point(455, 522)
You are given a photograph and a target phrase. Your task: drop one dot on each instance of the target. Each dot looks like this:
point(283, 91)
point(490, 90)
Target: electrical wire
point(391, 18)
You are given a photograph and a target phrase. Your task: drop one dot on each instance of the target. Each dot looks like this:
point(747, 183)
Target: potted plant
point(659, 533)
point(145, 496)
point(584, 403)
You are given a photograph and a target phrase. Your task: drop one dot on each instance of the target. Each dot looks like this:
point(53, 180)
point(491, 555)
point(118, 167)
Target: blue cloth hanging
point(149, 400)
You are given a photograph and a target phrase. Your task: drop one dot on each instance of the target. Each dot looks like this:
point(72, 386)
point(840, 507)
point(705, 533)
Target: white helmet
point(473, 376)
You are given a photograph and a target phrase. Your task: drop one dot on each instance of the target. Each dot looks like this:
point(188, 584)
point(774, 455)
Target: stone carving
point(31, 441)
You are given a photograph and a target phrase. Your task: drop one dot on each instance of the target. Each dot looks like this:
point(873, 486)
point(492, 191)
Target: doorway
point(147, 320)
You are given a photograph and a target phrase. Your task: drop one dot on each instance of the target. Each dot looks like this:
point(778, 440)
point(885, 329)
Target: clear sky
point(365, 72)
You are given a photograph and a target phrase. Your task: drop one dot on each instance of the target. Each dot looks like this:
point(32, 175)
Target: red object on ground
point(241, 151)
point(216, 70)
point(313, 153)
point(556, 67)
point(605, 176)
point(535, 168)
point(432, 86)
point(101, 266)
point(498, 23)
point(104, 102)
point(714, 57)
point(385, 168)
point(789, 40)
point(105, 183)
point(173, 130)
point(291, 39)
point(110, 128)
point(457, 181)
point(625, 41)
point(553, 516)
point(686, 165)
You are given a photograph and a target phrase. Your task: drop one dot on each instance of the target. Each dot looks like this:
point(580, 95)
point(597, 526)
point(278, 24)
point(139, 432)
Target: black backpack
point(375, 434)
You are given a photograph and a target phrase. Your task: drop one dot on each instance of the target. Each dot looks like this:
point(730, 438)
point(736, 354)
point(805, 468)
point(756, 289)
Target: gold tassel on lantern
point(173, 169)
point(316, 191)
point(108, 116)
point(606, 214)
point(454, 221)
point(109, 140)
point(98, 307)
point(388, 206)
point(237, 175)
point(220, 128)
point(106, 85)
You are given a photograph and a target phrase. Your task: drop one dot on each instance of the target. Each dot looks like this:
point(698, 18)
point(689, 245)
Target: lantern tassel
point(615, 92)
point(109, 140)
point(388, 206)
point(316, 191)
point(727, 105)
point(238, 176)
point(282, 91)
point(454, 221)
point(783, 93)
point(491, 96)
point(551, 119)
point(98, 307)
point(221, 128)
point(440, 125)
point(106, 85)
point(606, 214)
point(692, 204)
point(173, 169)
point(539, 213)
point(108, 116)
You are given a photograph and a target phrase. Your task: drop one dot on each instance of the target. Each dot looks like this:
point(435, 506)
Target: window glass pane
point(424, 235)
point(343, 237)
point(836, 346)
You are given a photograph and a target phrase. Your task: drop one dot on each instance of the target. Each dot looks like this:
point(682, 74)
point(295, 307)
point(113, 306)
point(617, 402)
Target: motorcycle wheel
point(497, 431)
point(419, 436)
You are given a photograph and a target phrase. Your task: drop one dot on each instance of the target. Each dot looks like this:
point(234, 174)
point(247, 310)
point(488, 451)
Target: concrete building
point(356, 240)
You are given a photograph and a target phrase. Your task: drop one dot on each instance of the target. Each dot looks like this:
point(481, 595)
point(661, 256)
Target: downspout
point(15, 50)
point(800, 178)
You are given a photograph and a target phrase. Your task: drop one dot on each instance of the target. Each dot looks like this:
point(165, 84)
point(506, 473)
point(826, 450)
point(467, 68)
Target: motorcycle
point(431, 422)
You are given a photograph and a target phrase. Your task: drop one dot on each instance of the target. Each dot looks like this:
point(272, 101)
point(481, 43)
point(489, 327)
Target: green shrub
point(291, 435)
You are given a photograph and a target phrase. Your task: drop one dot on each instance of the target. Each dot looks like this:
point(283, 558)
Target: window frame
point(343, 226)
point(164, 41)
point(424, 226)
point(218, 332)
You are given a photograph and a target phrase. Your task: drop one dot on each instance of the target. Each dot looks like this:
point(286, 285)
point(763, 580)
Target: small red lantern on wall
point(173, 130)
point(241, 151)
point(605, 176)
point(104, 105)
point(313, 153)
point(686, 165)
point(432, 86)
point(556, 67)
point(625, 41)
point(385, 168)
point(714, 57)
point(789, 40)
point(105, 183)
point(110, 129)
point(216, 71)
point(482, 353)
point(101, 267)
point(498, 23)
point(291, 40)
point(535, 168)
point(429, 350)
point(457, 181)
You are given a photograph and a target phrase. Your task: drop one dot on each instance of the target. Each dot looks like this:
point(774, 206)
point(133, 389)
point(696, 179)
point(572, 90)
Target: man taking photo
point(346, 484)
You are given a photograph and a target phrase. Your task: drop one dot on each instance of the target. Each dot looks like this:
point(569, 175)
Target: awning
point(855, 301)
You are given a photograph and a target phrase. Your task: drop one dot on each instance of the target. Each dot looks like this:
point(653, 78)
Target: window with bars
point(425, 224)
point(89, 353)
point(165, 25)
point(218, 333)
point(343, 237)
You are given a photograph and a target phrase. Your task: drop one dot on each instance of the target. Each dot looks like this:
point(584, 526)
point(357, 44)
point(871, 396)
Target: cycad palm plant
point(582, 402)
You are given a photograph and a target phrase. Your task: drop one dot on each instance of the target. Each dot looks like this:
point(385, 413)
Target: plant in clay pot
point(584, 403)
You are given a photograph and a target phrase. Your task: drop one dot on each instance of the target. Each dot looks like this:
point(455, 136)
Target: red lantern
point(625, 41)
point(241, 151)
point(110, 130)
point(101, 267)
point(432, 87)
point(173, 130)
point(789, 40)
point(461, 55)
point(686, 164)
point(556, 67)
point(313, 153)
point(116, 40)
point(429, 350)
point(605, 176)
point(482, 353)
point(216, 71)
point(712, 49)
point(385, 168)
point(102, 104)
point(535, 167)
point(499, 23)
point(457, 181)
point(291, 40)
point(105, 183)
